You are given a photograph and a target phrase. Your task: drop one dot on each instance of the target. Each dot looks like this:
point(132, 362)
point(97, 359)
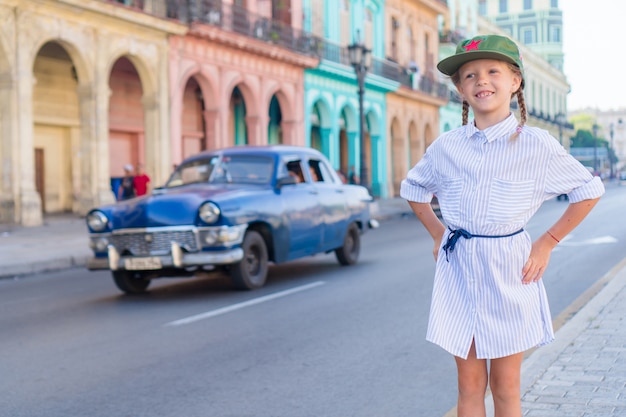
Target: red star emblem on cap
point(473, 45)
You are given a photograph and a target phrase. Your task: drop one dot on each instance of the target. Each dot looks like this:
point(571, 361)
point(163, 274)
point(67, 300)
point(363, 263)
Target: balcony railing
point(237, 19)
point(384, 68)
point(229, 17)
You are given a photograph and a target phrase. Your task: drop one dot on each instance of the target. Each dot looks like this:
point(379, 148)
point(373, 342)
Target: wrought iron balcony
point(383, 67)
point(229, 17)
point(236, 19)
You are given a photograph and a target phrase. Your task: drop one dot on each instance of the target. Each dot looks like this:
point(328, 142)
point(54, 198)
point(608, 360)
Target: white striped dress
point(488, 184)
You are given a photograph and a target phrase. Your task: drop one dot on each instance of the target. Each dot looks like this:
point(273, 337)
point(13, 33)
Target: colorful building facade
point(90, 86)
point(81, 96)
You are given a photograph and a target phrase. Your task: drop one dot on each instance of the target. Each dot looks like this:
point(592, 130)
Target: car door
point(302, 211)
point(332, 200)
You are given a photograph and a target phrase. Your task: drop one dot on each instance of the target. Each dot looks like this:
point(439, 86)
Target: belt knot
point(455, 235)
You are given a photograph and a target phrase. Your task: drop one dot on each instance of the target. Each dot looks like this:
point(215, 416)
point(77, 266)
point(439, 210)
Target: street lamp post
point(359, 59)
point(595, 148)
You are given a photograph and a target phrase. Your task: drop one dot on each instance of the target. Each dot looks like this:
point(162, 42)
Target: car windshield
point(223, 169)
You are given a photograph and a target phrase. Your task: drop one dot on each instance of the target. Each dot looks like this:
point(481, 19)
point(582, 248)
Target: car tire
point(130, 282)
point(348, 254)
point(251, 272)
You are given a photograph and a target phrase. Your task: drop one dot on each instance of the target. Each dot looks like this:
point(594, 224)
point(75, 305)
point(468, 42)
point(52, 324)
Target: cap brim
point(450, 65)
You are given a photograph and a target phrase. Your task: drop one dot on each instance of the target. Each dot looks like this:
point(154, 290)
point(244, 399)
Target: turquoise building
point(331, 96)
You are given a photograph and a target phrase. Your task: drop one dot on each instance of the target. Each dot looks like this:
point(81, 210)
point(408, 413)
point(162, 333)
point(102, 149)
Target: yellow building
point(412, 40)
point(79, 79)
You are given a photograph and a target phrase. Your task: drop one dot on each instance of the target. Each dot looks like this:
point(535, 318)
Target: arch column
point(212, 128)
point(90, 194)
point(327, 147)
point(8, 144)
point(155, 148)
point(253, 125)
point(29, 202)
point(290, 132)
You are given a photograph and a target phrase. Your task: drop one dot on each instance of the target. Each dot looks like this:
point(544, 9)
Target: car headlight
point(209, 212)
point(97, 221)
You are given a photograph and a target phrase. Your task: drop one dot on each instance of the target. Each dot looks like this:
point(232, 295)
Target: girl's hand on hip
point(537, 260)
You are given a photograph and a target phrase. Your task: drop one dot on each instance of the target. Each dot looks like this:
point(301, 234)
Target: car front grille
point(150, 243)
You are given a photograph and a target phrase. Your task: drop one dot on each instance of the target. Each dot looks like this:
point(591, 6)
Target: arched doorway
point(126, 120)
point(415, 145)
point(274, 129)
point(348, 138)
point(193, 129)
point(56, 129)
point(237, 130)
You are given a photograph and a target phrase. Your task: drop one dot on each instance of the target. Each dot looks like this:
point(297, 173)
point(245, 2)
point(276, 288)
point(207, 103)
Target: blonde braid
point(465, 112)
point(521, 102)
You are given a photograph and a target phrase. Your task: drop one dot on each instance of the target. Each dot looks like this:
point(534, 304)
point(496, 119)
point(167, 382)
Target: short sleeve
point(419, 184)
point(566, 175)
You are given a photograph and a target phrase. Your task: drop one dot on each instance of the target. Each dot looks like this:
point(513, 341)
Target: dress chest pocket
point(509, 201)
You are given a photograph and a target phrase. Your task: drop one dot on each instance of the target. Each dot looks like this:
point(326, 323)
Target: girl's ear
point(460, 90)
point(517, 83)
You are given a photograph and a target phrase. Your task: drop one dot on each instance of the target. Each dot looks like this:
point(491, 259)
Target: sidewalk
point(581, 374)
point(60, 243)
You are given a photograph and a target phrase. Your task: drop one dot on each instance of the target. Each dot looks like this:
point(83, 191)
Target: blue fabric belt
point(455, 235)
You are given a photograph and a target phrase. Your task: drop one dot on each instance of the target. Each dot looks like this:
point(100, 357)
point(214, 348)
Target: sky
point(594, 34)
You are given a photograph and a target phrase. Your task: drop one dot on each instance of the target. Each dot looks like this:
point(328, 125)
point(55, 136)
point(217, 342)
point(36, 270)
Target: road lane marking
point(238, 306)
point(593, 241)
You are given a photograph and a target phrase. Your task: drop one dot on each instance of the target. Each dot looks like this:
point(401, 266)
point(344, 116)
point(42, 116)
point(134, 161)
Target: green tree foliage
point(584, 139)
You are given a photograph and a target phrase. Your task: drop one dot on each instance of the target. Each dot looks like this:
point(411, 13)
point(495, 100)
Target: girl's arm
point(431, 222)
point(540, 252)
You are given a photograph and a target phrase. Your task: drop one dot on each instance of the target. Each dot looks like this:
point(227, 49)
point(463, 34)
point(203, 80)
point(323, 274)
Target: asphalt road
point(318, 340)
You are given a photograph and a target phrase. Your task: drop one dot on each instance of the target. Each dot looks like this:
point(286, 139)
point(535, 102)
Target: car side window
point(294, 168)
point(320, 172)
point(314, 170)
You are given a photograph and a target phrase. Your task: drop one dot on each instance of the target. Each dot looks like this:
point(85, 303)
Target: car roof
point(269, 150)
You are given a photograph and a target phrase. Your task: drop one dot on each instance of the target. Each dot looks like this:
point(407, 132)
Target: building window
point(412, 45)
point(528, 36)
point(504, 6)
point(395, 25)
point(554, 4)
point(528, 4)
point(555, 34)
point(482, 7)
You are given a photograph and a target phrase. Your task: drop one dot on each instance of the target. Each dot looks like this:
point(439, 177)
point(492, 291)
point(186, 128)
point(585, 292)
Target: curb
point(49, 265)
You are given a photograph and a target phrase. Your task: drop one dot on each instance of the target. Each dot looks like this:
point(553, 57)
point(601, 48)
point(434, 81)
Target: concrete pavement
point(581, 374)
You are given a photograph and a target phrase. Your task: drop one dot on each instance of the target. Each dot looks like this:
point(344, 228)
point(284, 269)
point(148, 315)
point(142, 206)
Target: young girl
point(490, 177)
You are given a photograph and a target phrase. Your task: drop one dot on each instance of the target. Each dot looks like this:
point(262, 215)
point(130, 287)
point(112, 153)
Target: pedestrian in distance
point(127, 186)
point(141, 181)
point(352, 177)
point(489, 303)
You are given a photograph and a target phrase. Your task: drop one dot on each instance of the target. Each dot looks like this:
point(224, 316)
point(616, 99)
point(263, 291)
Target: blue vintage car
point(236, 209)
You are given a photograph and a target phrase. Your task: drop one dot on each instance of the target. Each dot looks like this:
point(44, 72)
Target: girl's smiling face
point(488, 85)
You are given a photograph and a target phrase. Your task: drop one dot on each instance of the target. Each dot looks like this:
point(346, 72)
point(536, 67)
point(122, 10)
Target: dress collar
point(504, 128)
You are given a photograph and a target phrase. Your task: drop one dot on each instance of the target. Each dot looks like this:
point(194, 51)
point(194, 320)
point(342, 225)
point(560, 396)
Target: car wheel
point(348, 254)
point(251, 271)
point(130, 282)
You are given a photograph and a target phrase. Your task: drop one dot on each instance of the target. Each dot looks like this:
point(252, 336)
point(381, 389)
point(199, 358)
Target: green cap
point(482, 47)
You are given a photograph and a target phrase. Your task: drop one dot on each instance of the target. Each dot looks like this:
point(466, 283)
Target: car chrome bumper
point(177, 259)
